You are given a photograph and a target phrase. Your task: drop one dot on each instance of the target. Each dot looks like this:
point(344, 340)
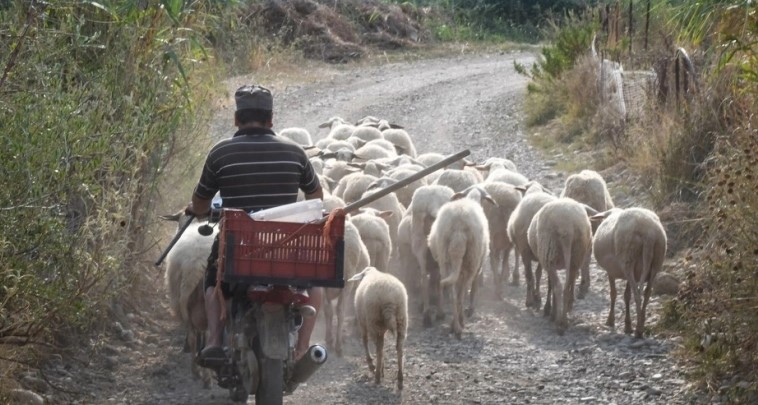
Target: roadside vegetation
point(104, 107)
point(690, 146)
point(104, 112)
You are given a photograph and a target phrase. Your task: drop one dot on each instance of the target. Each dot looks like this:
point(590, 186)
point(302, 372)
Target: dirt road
point(508, 354)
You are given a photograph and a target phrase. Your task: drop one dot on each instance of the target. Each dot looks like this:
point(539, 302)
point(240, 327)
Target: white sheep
point(589, 188)
point(406, 266)
point(518, 226)
point(184, 282)
point(561, 237)
point(388, 202)
point(355, 260)
point(324, 143)
point(630, 244)
point(332, 202)
point(458, 180)
point(383, 143)
point(459, 241)
point(352, 186)
point(375, 234)
point(430, 158)
point(424, 207)
point(494, 163)
point(507, 176)
point(381, 305)
point(300, 136)
point(333, 122)
point(341, 132)
point(362, 134)
point(405, 193)
point(372, 151)
point(337, 169)
point(507, 199)
point(402, 141)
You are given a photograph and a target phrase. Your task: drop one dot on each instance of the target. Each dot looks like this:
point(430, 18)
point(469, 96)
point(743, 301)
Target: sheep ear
point(589, 210)
point(325, 124)
point(599, 217)
point(330, 155)
point(490, 199)
point(522, 189)
point(172, 217)
point(457, 196)
point(359, 276)
point(395, 126)
point(385, 214)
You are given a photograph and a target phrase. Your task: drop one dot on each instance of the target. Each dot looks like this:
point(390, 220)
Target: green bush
point(95, 99)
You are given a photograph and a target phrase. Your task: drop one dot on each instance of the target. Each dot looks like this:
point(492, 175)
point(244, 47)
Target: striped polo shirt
point(255, 169)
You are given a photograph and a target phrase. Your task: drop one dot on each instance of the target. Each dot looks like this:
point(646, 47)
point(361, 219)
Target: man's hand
point(201, 210)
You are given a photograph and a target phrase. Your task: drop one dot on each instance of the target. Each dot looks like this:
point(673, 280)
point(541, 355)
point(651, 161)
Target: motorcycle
point(271, 265)
point(269, 302)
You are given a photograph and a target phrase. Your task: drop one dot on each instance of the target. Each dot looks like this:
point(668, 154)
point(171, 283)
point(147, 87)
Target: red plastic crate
point(270, 252)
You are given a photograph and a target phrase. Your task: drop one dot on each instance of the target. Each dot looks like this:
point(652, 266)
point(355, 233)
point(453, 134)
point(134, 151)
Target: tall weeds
point(95, 98)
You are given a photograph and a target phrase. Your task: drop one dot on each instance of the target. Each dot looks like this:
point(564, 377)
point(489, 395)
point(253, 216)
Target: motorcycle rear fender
point(273, 331)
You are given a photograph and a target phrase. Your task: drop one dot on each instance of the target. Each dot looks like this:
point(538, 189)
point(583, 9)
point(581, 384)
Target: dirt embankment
point(508, 354)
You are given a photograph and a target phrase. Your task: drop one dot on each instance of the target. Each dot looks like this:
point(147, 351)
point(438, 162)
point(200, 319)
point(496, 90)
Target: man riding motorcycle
point(253, 170)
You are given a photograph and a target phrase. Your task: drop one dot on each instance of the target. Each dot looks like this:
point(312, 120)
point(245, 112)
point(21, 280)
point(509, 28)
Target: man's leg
point(304, 334)
point(213, 312)
point(213, 346)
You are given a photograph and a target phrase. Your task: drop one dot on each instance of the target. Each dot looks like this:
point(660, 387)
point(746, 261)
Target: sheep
point(630, 244)
point(363, 134)
point(333, 122)
point(384, 144)
point(518, 226)
point(458, 180)
point(372, 151)
point(337, 169)
point(507, 199)
point(300, 136)
point(459, 241)
point(381, 305)
point(424, 207)
point(402, 141)
point(341, 132)
point(324, 143)
point(318, 165)
point(375, 234)
point(588, 187)
point(560, 235)
point(507, 176)
point(184, 281)
point(406, 266)
point(356, 259)
point(352, 186)
point(388, 202)
point(430, 158)
point(338, 145)
point(373, 167)
point(495, 163)
point(332, 202)
point(405, 193)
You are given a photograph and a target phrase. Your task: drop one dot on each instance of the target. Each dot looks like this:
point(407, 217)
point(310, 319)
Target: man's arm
point(318, 194)
point(200, 207)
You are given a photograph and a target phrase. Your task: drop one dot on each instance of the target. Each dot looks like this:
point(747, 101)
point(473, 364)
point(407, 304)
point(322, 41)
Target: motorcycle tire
point(271, 387)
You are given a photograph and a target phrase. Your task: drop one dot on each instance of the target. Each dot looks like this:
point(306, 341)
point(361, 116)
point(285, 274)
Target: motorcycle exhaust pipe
point(306, 366)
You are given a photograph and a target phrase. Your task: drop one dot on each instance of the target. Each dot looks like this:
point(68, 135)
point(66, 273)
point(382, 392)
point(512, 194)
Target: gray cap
point(253, 97)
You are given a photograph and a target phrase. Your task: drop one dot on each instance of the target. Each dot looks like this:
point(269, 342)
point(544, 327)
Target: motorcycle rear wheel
point(271, 387)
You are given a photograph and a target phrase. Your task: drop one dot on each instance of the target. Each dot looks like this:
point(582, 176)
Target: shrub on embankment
point(691, 151)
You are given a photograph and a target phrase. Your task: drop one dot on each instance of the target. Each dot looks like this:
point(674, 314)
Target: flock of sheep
point(439, 233)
